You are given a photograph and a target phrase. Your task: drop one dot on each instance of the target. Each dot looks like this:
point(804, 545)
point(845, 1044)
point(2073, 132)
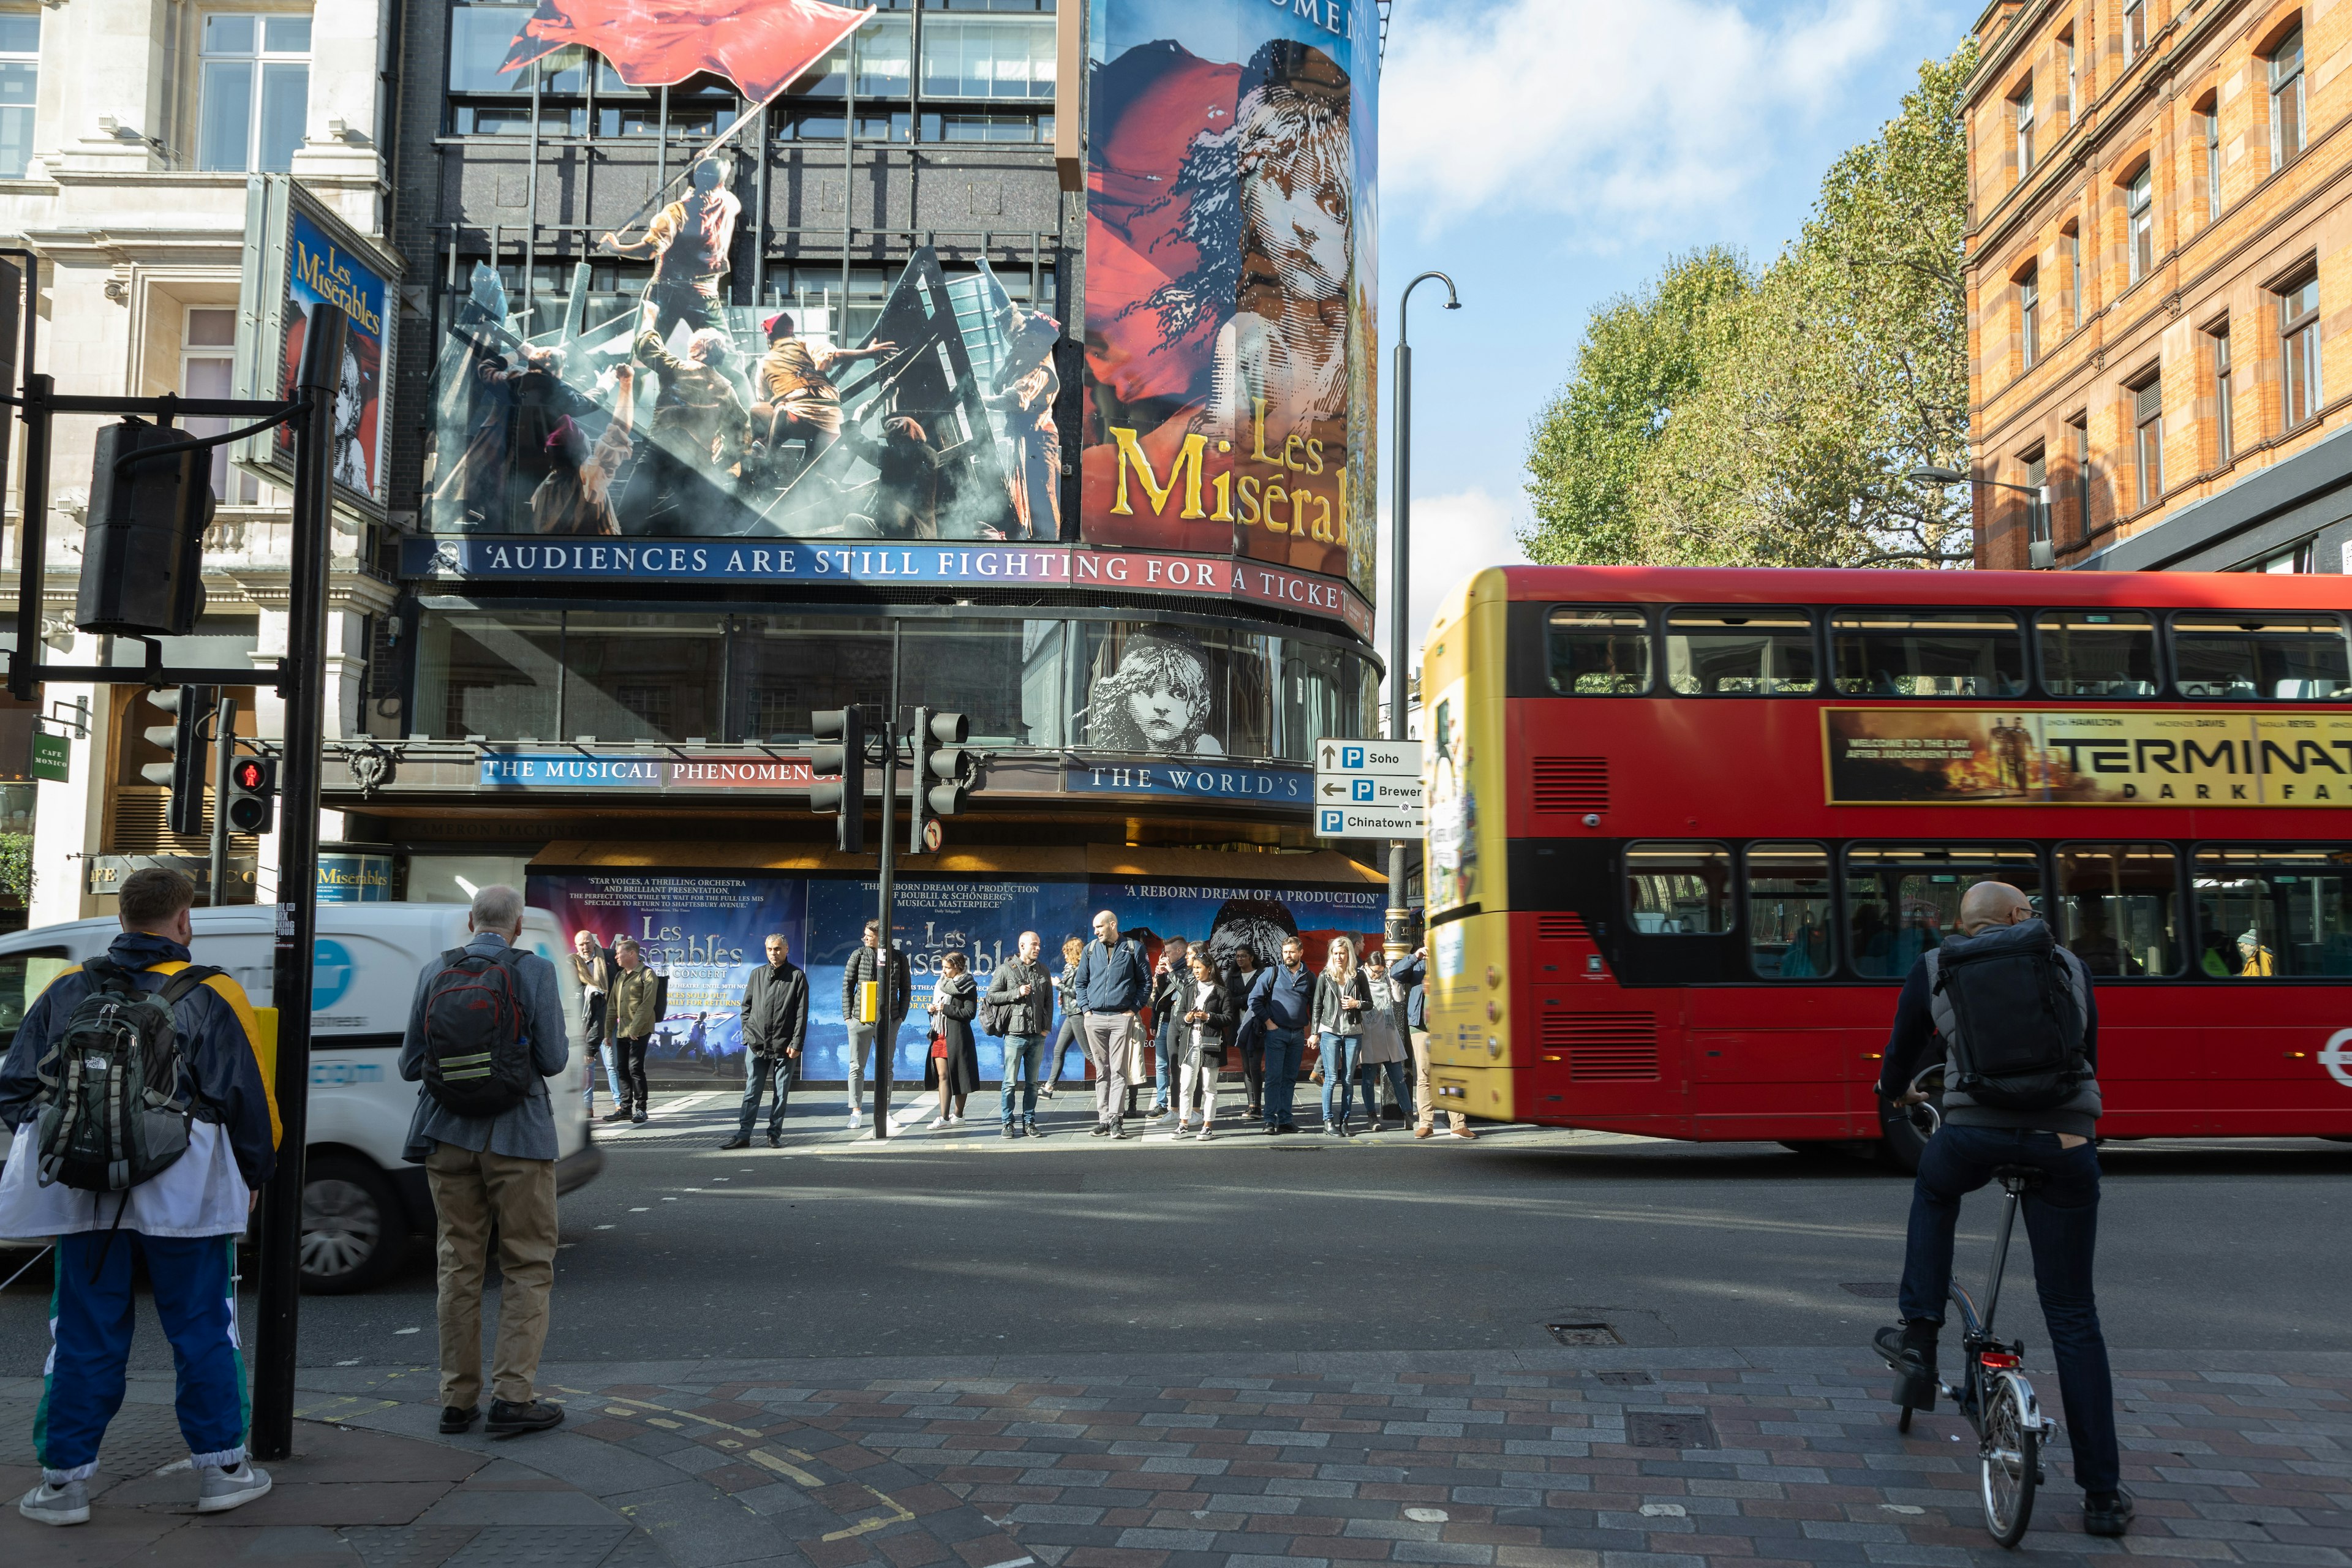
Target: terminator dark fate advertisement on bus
point(1230, 279)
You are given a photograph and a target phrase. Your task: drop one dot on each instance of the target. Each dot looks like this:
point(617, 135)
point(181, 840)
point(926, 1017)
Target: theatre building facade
point(1011, 361)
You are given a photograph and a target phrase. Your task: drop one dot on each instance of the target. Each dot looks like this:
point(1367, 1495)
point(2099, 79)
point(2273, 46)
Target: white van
point(361, 1201)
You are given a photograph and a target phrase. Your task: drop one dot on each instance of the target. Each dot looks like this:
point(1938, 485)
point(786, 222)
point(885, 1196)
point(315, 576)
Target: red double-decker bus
point(1690, 828)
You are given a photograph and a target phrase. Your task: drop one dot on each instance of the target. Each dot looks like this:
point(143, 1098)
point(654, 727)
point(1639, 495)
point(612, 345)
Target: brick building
point(2155, 297)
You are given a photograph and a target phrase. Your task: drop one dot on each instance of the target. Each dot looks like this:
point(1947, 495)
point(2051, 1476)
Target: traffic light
point(942, 769)
point(183, 737)
point(143, 547)
point(839, 770)
point(252, 804)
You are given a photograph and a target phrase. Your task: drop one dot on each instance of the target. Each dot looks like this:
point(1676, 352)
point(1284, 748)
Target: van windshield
point(24, 976)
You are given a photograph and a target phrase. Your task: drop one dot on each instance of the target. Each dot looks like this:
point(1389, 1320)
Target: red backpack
point(477, 1056)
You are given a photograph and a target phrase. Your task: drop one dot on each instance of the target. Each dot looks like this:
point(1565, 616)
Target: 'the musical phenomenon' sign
point(2086, 756)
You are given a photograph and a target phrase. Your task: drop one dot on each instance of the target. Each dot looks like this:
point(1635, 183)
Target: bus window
point(2251, 657)
point(1678, 889)
point(1900, 902)
point(2116, 908)
point(1788, 913)
point(1927, 652)
point(2267, 912)
point(1598, 651)
point(2097, 653)
point(1765, 652)
point(23, 977)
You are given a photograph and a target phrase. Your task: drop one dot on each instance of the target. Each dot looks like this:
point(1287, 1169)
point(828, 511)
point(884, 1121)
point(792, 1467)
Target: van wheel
point(1903, 1140)
point(352, 1231)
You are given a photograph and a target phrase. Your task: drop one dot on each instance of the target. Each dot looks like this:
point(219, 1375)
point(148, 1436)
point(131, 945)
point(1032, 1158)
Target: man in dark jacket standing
point(1283, 1003)
point(1170, 976)
point(493, 1171)
point(1112, 985)
point(2062, 1215)
point(183, 1222)
point(880, 1038)
point(775, 1026)
point(1024, 992)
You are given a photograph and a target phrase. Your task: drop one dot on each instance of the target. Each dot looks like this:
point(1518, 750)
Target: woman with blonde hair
point(1341, 994)
point(953, 1064)
point(1066, 984)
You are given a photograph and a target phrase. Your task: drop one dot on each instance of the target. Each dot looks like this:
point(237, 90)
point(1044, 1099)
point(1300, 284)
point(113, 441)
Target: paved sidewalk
point(1578, 1458)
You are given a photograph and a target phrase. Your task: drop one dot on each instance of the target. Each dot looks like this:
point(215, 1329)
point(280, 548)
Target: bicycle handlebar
point(1919, 1084)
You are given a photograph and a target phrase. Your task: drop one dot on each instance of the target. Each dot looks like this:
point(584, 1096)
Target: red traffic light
point(247, 774)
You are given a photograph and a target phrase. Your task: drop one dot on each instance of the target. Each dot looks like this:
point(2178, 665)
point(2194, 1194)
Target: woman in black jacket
point(953, 1065)
point(1203, 1016)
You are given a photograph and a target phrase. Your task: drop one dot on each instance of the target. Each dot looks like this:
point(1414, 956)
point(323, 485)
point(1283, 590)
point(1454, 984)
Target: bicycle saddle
point(2018, 1178)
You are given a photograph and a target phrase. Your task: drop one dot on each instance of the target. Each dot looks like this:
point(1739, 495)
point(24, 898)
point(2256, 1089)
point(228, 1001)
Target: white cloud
point(1603, 110)
point(1452, 536)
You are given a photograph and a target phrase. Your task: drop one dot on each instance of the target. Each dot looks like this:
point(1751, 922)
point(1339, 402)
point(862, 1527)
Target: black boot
point(1910, 1349)
point(741, 1141)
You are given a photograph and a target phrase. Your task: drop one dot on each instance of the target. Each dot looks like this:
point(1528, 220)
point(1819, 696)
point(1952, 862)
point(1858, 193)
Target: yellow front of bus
point(1472, 1067)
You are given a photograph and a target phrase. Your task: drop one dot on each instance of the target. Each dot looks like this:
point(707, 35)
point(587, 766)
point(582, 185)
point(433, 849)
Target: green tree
point(1817, 390)
point(16, 864)
point(1641, 356)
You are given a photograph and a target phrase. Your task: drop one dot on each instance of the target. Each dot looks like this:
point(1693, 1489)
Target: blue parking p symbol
point(1351, 756)
point(1363, 789)
point(1335, 821)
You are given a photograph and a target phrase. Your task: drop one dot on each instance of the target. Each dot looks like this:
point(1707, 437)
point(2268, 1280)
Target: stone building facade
point(2157, 299)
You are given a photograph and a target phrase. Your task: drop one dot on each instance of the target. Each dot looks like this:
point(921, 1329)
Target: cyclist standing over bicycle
point(2016, 1019)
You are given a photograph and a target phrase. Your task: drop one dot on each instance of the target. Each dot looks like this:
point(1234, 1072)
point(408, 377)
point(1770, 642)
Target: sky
point(1549, 156)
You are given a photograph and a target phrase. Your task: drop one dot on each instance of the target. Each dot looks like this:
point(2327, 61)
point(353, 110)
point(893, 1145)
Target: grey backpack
point(112, 1110)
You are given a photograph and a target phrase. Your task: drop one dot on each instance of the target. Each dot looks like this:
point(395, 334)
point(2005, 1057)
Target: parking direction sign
point(1367, 789)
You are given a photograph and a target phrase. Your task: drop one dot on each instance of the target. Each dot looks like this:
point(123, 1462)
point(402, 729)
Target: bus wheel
point(1902, 1141)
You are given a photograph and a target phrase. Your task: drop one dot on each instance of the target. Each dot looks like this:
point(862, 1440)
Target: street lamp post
point(1397, 936)
point(2041, 554)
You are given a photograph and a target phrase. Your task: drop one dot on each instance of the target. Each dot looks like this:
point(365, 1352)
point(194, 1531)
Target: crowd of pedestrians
point(1178, 1025)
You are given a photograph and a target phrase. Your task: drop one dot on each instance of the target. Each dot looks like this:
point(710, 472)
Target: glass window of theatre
point(1790, 913)
point(1598, 650)
point(1003, 675)
point(1188, 691)
point(1927, 652)
point(1760, 650)
point(493, 673)
point(2118, 907)
point(1678, 889)
point(2264, 914)
point(1902, 900)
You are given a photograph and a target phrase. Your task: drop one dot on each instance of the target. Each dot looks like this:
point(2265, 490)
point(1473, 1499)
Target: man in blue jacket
point(486, 1169)
point(1111, 986)
point(1413, 975)
point(1283, 1001)
point(184, 1221)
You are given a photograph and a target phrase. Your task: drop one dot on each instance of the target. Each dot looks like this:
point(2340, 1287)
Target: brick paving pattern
point(1531, 1460)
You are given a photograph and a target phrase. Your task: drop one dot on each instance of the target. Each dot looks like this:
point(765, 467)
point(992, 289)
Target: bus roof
point(1779, 585)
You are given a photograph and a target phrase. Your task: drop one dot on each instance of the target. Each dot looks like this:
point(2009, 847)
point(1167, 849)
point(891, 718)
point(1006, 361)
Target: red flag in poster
point(758, 45)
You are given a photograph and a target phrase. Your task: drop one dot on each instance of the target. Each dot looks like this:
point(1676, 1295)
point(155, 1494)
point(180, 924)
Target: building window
point(253, 92)
point(2286, 99)
point(2023, 105)
point(997, 57)
point(2029, 315)
point(2135, 29)
point(2147, 438)
point(976, 125)
point(20, 68)
point(2139, 239)
point(2224, 437)
point(2212, 119)
point(2078, 435)
point(207, 342)
point(2299, 350)
point(2073, 103)
point(2074, 238)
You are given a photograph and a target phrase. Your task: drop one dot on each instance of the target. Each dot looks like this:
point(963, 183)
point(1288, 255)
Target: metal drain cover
point(1664, 1429)
point(1584, 1333)
point(1625, 1379)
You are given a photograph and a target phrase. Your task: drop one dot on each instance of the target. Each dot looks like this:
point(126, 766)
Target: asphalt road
point(961, 1243)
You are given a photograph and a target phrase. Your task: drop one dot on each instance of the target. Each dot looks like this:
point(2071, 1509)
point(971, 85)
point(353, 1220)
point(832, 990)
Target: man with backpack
point(2014, 1015)
point(1019, 1008)
point(1113, 986)
point(485, 1033)
point(880, 1039)
point(167, 1153)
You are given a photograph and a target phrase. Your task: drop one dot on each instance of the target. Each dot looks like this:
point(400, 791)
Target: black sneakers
point(508, 1419)
point(2106, 1513)
point(741, 1141)
point(1909, 1348)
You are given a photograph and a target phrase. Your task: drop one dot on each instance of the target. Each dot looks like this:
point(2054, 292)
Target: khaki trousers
point(1111, 1046)
point(470, 1190)
point(1425, 1108)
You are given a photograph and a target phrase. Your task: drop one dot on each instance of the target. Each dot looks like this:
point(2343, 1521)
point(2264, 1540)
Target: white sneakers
point(856, 1121)
point(218, 1490)
point(46, 1504)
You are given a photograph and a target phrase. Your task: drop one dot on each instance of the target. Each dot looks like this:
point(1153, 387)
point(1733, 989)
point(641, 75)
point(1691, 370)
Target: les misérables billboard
point(1230, 328)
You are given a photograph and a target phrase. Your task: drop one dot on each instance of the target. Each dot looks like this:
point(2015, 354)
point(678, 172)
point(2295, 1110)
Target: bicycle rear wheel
point(2012, 1461)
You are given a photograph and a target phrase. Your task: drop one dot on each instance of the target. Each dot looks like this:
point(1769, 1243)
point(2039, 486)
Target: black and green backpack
point(113, 1107)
